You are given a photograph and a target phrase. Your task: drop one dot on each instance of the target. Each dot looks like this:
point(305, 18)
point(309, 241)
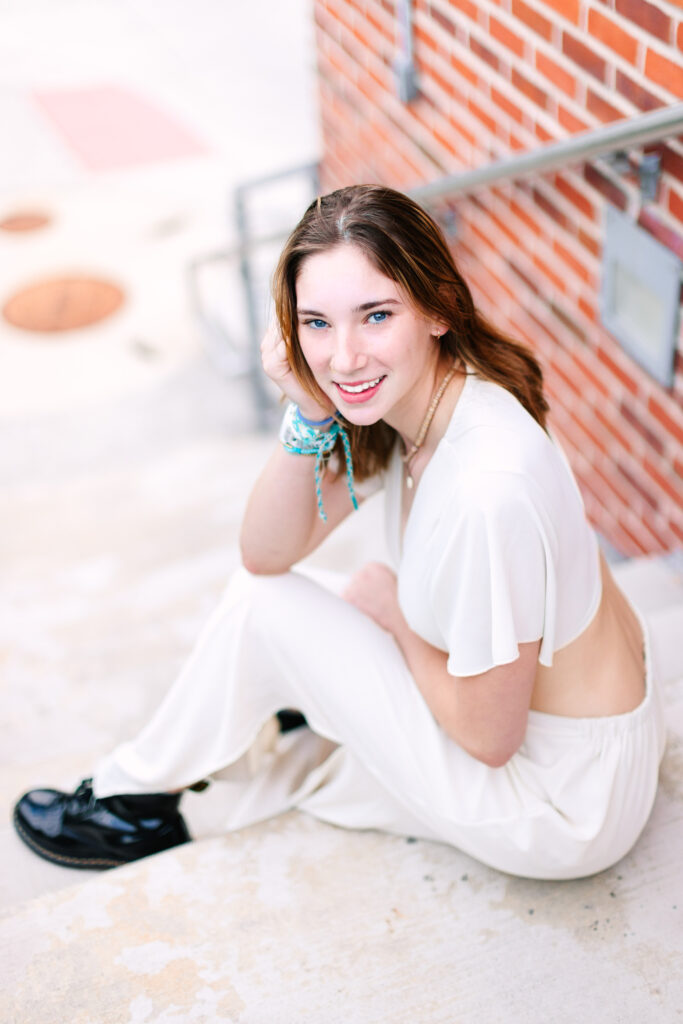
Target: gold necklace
point(408, 456)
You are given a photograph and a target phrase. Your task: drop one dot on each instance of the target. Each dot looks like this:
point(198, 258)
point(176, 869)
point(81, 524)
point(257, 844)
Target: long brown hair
point(407, 246)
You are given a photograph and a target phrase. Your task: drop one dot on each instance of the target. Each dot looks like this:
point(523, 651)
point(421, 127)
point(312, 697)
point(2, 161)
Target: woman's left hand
point(374, 591)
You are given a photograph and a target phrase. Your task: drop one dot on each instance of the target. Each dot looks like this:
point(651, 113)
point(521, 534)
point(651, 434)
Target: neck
point(408, 423)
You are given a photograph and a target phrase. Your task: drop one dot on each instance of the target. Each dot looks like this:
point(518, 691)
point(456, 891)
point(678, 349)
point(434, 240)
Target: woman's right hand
point(276, 365)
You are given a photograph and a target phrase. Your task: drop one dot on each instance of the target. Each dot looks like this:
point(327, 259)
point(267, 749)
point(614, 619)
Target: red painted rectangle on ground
point(109, 127)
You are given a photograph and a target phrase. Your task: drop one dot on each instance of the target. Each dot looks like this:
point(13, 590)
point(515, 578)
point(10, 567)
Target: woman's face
point(369, 350)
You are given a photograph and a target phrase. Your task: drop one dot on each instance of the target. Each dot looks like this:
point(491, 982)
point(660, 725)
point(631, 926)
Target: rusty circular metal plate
point(62, 304)
point(27, 221)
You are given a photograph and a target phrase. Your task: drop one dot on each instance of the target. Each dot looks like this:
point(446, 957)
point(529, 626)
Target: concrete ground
point(125, 463)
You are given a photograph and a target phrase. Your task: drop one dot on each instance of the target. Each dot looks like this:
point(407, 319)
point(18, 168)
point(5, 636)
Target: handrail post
point(254, 360)
point(245, 245)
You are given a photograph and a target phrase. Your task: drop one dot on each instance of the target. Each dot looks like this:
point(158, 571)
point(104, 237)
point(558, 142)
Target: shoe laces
point(85, 797)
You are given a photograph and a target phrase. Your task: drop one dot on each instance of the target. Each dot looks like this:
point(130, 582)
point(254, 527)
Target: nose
point(347, 355)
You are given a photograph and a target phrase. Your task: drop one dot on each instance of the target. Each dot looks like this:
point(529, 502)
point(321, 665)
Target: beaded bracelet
point(308, 437)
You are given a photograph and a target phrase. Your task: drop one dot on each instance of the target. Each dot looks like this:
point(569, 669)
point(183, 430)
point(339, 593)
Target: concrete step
point(293, 920)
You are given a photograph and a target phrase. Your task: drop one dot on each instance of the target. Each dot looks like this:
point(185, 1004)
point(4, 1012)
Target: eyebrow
point(363, 308)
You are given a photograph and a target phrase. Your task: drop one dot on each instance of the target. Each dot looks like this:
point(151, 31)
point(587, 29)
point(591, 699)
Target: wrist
point(402, 633)
point(323, 424)
point(313, 412)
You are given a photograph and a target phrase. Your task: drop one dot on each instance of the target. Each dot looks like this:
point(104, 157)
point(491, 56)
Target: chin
point(361, 417)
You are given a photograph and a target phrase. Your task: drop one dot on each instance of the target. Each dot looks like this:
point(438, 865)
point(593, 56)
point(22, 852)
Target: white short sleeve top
point(497, 550)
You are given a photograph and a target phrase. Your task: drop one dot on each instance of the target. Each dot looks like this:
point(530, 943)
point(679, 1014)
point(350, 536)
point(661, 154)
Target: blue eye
point(382, 314)
point(316, 324)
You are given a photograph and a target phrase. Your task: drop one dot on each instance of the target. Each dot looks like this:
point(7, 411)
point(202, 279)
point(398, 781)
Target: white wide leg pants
point(571, 802)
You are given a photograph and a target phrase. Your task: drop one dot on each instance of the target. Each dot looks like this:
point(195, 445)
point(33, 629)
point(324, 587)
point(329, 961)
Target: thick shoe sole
point(90, 863)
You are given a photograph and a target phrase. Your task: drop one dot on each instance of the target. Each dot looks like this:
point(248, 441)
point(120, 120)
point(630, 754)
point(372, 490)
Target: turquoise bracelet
point(305, 437)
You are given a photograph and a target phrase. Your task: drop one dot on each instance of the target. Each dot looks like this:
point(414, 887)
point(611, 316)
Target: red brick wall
point(497, 76)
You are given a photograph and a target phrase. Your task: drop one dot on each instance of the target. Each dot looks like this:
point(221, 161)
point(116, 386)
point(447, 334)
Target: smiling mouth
point(357, 389)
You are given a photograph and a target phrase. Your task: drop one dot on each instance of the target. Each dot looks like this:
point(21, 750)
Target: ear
point(437, 330)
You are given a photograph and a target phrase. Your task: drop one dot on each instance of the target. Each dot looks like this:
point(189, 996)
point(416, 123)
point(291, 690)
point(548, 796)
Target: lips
point(360, 392)
point(364, 385)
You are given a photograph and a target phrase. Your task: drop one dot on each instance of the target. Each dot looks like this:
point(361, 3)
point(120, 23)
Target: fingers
point(272, 340)
point(274, 354)
point(276, 365)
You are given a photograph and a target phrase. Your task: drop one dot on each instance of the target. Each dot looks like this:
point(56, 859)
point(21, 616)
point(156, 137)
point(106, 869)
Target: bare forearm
point(281, 523)
point(486, 714)
point(427, 666)
point(374, 591)
point(280, 514)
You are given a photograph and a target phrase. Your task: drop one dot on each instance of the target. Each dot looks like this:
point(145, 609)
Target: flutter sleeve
point(493, 583)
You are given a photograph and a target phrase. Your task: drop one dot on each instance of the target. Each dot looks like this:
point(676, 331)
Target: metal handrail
point(241, 252)
point(586, 146)
point(620, 135)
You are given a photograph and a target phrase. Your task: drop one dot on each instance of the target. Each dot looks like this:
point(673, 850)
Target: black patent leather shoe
point(79, 830)
point(289, 719)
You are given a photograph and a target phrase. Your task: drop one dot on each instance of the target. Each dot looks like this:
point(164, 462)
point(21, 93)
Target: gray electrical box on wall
point(640, 294)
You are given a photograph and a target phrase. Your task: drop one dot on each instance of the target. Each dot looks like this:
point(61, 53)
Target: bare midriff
point(602, 671)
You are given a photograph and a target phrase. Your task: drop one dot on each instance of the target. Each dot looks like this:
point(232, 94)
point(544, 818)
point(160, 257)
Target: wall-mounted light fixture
point(640, 294)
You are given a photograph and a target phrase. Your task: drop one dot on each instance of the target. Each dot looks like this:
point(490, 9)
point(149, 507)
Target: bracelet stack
point(316, 437)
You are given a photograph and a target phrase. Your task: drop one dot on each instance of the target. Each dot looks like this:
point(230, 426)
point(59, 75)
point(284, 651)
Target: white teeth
point(355, 389)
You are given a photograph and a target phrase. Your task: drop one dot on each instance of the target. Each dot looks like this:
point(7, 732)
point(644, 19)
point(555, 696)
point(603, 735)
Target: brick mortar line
point(577, 288)
point(395, 111)
point(489, 107)
point(531, 208)
point(638, 524)
point(640, 454)
point(633, 500)
point(600, 489)
point(527, 106)
point(389, 24)
point(576, 105)
point(614, 97)
point(632, 467)
point(641, 38)
point(671, 9)
point(591, 395)
point(579, 184)
point(446, 106)
point(361, 21)
point(354, 48)
point(671, 52)
point(542, 305)
point(678, 512)
point(622, 21)
point(580, 253)
point(553, 194)
point(612, 58)
point(558, 21)
point(554, 326)
point(665, 217)
point(601, 481)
